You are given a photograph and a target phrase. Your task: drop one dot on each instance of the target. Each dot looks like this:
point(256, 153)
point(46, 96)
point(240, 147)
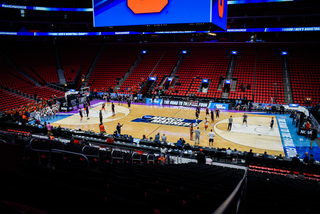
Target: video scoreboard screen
point(111, 13)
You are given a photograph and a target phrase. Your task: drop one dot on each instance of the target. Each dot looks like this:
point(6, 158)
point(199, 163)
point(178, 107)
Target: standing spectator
point(296, 159)
point(179, 144)
point(314, 136)
point(201, 158)
point(59, 131)
point(297, 119)
point(306, 157)
point(311, 160)
point(197, 136)
point(49, 128)
point(164, 138)
point(230, 123)
point(102, 130)
point(119, 128)
point(157, 138)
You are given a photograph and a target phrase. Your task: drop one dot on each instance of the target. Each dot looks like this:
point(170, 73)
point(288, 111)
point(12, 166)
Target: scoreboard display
point(111, 13)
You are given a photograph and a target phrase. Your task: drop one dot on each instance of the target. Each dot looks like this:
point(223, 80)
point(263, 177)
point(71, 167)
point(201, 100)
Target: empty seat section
point(244, 72)
point(269, 78)
point(38, 56)
point(166, 65)
point(304, 74)
point(10, 100)
point(203, 63)
point(113, 64)
point(143, 69)
point(76, 54)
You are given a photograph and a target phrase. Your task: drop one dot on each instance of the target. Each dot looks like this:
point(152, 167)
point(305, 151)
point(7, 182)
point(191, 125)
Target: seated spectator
point(279, 157)
point(163, 150)
point(250, 154)
point(229, 151)
point(291, 175)
point(164, 138)
point(265, 155)
point(144, 137)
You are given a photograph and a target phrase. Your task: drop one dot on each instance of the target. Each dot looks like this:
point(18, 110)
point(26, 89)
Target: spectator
point(179, 144)
point(49, 128)
point(265, 155)
point(144, 137)
point(314, 136)
point(201, 157)
point(291, 175)
point(102, 130)
point(306, 158)
point(59, 131)
point(250, 154)
point(197, 131)
point(308, 125)
point(229, 151)
point(297, 119)
point(279, 157)
point(163, 150)
point(311, 160)
point(157, 138)
point(301, 176)
point(296, 159)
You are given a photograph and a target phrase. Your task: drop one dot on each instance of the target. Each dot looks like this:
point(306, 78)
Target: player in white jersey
point(211, 135)
point(37, 115)
point(55, 110)
point(50, 113)
point(206, 124)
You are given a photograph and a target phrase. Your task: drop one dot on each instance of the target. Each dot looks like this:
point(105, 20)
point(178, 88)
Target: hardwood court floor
point(257, 136)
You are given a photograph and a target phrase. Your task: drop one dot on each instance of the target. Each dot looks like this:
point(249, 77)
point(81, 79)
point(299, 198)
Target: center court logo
point(171, 121)
point(147, 6)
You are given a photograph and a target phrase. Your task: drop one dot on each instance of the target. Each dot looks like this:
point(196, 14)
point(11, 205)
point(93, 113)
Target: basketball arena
point(159, 106)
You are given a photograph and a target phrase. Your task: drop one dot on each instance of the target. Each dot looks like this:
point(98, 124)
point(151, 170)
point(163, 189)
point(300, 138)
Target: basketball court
point(256, 135)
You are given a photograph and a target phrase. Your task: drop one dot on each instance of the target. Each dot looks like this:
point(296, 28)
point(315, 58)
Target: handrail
point(117, 158)
point(152, 160)
point(86, 146)
point(9, 135)
point(133, 153)
point(68, 152)
point(225, 205)
point(3, 141)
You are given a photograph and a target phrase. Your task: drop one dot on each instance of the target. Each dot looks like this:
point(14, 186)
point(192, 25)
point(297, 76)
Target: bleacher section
point(36, 55)
point(76, 54)
point(113, 64)
point(144, 68)
point(304, 73)
point(205, 63)
point(166, 65)
point(10, 101)
point(244, 72)
point(268, 77)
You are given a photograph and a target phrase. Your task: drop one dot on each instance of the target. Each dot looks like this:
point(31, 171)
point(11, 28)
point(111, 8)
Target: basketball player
point(87, 111)
point(103, 108)
point(129, 103)
point(191, 131)
point(271, 124)
point(245, 117)
point(197, 115)
point(206, 124)
point(198, 109)
point(120, 100)
point(211, 135)
point(112, 108)
point(207, 110)
point(55, 110)
point(37, 113)
point(212, 117)
point(217, 113)
point(80, 112)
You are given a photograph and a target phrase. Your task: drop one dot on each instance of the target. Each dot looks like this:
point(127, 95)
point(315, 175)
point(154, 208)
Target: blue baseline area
point(55, 119)
point(294, 143)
